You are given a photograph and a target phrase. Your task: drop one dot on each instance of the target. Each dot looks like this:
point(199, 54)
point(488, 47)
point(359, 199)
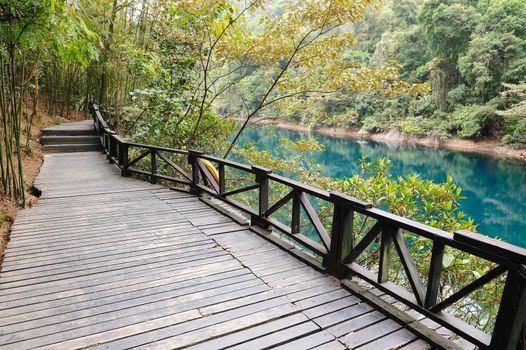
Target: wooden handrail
point(339, 251)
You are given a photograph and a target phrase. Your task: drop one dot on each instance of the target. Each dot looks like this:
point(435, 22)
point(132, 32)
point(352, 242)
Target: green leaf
point(448, 260)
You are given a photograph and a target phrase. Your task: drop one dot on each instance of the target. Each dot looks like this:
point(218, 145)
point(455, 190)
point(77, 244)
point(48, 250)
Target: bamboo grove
point(160, 66)
point(56, 56)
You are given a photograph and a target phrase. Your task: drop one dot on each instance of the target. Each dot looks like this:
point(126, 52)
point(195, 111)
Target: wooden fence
point(337, 250)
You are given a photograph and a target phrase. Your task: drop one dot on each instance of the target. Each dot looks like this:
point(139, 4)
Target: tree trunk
point(33, 113)
point(108, 48)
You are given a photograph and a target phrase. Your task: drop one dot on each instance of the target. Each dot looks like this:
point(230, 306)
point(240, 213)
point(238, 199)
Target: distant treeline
point(473, 54)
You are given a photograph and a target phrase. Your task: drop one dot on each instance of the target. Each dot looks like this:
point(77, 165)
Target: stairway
point(70, 137)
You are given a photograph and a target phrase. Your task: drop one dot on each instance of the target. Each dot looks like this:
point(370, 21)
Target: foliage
point(515, 115)
point(472, 121)
point(30, 31)
point(171, 72)
point(200, 58)
point(419, 126)
point(465, 50)
point(298, 54)
point(434, 204)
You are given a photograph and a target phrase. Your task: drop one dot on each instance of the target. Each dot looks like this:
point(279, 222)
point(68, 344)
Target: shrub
point(424, 107)
point(415, 126)
point(457, 96)
point(517, 138)
point(472, 121)
point(374, 124)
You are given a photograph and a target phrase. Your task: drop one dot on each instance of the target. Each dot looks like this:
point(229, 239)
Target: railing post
point(342, 237)
point(295, 220)
point(153, 165)
point(112, 147)
point(193, 157)
point(123, 158)
point(386, 245)
point(100, 135)
point(105, 143)
point(262, 179)
point(512, 311)
point(221, 179)
point(435, 270)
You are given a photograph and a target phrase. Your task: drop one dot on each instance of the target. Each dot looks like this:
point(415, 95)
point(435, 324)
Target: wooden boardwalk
point(107, 262)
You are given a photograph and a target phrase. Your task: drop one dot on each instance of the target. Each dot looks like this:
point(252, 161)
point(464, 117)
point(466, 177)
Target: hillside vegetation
point(472, 53)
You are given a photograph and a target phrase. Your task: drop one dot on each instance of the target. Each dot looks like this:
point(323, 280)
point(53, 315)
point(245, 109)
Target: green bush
point(424, 107)
point(374, 124)
point(457, 96)
point(415, 126)
point(517, 138)
point(420, 126)
point(472, 121)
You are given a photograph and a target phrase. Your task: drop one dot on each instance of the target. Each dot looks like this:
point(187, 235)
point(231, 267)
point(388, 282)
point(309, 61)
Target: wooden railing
point(337, 251)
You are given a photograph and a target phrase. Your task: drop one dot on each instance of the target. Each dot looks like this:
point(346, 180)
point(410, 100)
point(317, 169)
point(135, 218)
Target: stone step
point(67, 148)
point(68, 132)
point(68, 140)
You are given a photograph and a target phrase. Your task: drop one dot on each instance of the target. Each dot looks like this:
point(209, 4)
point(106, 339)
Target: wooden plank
point(354, 324)
point(55, 247)
point(95, 324)
point(124, 274)
point(391, 341)
point(409, 266)
point(66, 277)
point(369, 333)
point(243, 336)
point(322, 299)
point(98, 298)
point(334, 345)
point(315, 220)
point(485, 243)
point(386, 244)
point(100, 252)
point(113, 261)
point(402, 317)
point(166, 337)
point(110, 262)
point(281, 337)
point(418, 344)
point(308, 342)
point(332, 306)
point(116, 304)
point(435, 271)
point(113, 224)
point(123, 249)
point(65, 295)
point(343, 315)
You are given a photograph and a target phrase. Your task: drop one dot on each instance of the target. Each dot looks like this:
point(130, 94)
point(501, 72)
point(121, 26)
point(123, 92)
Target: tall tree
point(31, 32)
point(438, 18)
point(300, 50)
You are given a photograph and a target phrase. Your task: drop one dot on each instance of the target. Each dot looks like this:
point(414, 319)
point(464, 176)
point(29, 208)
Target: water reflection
point(495, 188)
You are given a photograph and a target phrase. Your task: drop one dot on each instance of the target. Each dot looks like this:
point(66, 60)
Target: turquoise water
point(495, 189)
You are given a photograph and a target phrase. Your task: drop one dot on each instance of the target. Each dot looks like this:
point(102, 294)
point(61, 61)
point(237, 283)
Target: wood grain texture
point(107, 262)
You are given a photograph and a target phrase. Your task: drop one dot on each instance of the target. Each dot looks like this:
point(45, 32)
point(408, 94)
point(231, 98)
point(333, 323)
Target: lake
point(495, 189)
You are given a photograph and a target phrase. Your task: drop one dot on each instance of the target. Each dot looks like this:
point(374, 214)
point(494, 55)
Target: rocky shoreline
point(492, 147)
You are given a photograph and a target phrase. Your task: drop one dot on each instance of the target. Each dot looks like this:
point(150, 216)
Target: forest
point(173, 72)
point(471, 53)
point(179, 73)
